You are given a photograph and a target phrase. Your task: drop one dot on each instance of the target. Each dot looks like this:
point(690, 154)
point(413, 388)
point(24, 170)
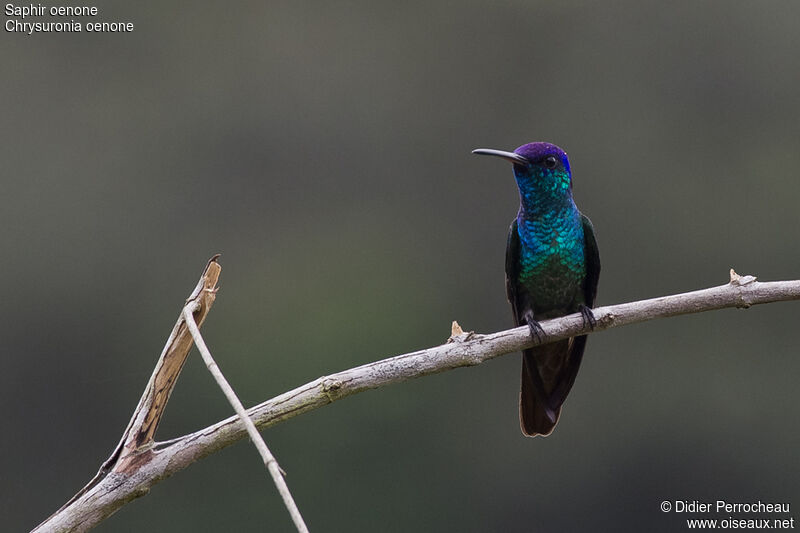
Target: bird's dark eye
point(550, 162)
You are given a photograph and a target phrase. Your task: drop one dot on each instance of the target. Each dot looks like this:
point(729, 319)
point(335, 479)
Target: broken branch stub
point(142, 429)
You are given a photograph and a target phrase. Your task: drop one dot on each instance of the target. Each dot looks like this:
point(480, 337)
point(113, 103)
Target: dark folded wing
point(592, 255)
point(512, 270)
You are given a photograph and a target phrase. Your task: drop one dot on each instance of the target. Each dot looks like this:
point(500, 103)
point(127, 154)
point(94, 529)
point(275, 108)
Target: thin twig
point(255, 436)
point(466, 349)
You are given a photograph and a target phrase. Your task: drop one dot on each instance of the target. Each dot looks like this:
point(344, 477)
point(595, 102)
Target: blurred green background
point(324, 150)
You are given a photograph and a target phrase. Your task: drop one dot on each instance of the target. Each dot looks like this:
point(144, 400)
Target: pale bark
point(120, 481)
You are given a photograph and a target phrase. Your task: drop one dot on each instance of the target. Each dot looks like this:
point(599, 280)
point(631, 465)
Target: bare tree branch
point(464, 349)
point(137, 440)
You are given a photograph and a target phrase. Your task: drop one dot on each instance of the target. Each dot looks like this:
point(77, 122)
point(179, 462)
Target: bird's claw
point(588, 317)
point(536, 331)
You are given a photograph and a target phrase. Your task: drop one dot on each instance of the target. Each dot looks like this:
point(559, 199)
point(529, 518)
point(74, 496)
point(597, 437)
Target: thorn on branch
point(458, 335)
point(736, 279)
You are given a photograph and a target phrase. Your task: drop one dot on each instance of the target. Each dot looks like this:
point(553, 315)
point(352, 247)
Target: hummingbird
point(552, 269)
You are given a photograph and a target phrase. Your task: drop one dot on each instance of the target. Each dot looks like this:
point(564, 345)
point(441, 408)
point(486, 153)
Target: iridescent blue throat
point(551, 234)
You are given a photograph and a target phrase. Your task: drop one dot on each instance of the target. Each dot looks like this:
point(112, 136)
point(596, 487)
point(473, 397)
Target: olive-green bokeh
point(323, 149)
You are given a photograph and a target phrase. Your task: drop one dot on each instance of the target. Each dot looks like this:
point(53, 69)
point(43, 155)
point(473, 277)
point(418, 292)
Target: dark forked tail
point(557, 365)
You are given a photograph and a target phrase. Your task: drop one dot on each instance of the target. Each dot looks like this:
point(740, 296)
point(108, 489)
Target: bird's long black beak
point(509, 156)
